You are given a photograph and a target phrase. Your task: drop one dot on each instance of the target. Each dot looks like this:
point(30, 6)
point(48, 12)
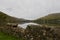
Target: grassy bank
point(7, 37)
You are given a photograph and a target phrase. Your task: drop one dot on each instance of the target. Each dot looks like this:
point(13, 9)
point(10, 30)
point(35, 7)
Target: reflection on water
point(25, 24)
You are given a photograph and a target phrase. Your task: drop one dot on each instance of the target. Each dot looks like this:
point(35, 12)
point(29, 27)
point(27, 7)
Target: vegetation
point(4, 18)
point(3, 36)
point(53, 19)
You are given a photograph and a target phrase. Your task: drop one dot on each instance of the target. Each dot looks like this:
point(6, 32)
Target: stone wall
point(14, 31)
point(34, 32)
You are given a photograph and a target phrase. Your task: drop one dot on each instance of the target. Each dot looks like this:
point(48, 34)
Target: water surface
point(25, 24)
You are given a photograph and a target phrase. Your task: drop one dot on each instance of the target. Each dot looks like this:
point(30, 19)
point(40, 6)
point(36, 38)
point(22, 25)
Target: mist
point(29, 9)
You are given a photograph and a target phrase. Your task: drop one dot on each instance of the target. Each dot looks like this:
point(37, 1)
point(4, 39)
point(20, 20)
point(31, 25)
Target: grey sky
point(29, 9)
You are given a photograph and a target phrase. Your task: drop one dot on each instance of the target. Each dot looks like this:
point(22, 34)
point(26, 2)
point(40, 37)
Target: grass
point(7, 37)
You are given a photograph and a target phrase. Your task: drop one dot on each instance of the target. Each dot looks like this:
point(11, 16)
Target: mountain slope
point(53, 18)
point(4, 18)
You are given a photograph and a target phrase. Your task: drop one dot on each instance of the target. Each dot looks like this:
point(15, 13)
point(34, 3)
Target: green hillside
point(4, 18)
point(53, 18)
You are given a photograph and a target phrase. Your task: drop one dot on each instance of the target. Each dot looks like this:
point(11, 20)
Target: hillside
point(53, 18)
point(4, 18)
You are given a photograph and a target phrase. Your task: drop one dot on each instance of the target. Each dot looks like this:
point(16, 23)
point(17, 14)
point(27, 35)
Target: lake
point(25, 24)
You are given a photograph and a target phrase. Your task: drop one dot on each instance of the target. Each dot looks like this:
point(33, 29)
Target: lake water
point(25, 24)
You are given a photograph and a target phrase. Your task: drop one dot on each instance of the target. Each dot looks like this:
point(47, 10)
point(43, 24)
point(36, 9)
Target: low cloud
point(29, 9)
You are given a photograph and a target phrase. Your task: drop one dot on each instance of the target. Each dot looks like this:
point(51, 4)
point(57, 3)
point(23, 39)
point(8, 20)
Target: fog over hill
point(29, 9)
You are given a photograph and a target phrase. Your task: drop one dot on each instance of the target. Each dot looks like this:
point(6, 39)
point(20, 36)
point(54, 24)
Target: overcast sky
point(29, 9)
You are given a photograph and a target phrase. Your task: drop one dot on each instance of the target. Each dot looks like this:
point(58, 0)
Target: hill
point(53, 18)
point(4, 18)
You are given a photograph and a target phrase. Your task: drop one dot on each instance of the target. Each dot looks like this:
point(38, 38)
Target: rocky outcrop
point(34, 32)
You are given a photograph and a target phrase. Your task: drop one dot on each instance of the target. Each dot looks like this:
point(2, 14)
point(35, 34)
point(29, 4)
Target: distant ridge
point(4, 18)
point(53, 18)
